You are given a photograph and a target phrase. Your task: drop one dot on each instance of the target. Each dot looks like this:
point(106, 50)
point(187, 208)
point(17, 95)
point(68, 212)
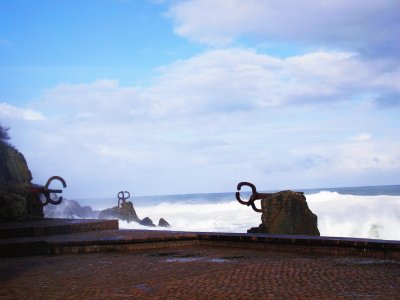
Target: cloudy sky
point(173, 97)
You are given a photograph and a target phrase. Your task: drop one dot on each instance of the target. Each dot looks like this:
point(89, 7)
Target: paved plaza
point(199, 272)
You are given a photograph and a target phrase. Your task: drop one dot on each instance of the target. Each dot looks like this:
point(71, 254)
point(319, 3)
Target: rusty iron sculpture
point(122, 198)
point(44, 190)
point(254, 195)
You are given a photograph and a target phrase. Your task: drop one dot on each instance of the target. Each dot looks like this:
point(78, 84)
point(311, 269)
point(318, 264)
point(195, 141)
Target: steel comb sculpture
point(46, 191)
point(254, 196)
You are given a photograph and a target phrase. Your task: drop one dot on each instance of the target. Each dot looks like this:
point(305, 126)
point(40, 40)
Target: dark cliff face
point(13, 166)
point(15, 183)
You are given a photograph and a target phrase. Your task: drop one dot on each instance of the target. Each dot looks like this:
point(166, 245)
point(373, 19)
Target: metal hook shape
point(122, 198)
point(254, 196)
point(253, 190)
point(40, 189)
point(47, 191)
point(59, 178)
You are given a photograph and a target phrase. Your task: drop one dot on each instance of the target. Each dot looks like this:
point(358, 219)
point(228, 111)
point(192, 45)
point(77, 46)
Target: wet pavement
point(198, 272)
point(92, 259)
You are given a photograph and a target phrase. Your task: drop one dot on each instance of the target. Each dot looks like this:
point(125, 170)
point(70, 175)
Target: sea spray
point(339, 214)
point(357, 216)
point(207, 217)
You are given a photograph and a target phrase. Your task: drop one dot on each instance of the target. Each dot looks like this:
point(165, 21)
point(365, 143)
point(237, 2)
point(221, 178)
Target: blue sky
point(168, 97)
point(48, 42)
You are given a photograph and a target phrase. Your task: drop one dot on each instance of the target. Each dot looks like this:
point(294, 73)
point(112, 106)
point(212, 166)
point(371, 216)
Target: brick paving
point(199, 272)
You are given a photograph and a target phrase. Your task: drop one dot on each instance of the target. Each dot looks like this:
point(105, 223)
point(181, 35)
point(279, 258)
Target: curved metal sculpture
point(40, 189)
point(121, 197)
point(254, 196)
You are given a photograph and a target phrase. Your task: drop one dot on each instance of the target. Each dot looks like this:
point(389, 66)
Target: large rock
point(287, 212)
point(125, 212)
point(147, 222)
point(163, 223)
point(16, 202)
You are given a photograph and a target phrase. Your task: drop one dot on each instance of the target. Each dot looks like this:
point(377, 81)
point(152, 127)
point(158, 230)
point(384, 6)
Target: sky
point(194, 96)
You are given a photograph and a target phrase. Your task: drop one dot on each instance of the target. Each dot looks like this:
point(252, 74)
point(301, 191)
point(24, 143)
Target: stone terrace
point(138, 264)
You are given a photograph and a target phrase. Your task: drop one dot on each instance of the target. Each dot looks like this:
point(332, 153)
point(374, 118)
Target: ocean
point(362, 212)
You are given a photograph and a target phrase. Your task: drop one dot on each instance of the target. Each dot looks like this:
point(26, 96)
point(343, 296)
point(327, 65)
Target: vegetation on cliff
point(4, 134)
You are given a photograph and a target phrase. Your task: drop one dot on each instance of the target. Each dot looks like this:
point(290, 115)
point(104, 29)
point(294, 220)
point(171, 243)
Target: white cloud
point(227, 80)
point(370, 156)
point(241, 79)
point(362, 137)
point(13, 112)
point(233, 114)
point(371, 26)
point(344, 161)
point(100, 99)
point(211, 121)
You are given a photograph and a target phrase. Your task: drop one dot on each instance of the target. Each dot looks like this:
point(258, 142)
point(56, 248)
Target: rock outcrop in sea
point(147, 222)
point(287, 212)
point(163, 223)
point(126, 212)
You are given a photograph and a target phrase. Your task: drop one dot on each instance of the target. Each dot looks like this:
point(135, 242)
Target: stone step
point(45, 227)
point(95, 241)
point(139, 240)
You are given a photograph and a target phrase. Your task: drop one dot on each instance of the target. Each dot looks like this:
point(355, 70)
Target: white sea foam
point(208, 217)
point(357, 216)
point(338, 215)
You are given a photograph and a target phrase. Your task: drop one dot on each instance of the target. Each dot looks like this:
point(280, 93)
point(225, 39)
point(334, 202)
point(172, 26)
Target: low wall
point(134, 240)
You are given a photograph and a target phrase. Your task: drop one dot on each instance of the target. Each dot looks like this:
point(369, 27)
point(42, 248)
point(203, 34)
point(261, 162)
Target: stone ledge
point(132, 240)
point(44, 227)
point(306, 244)
point(299, 240)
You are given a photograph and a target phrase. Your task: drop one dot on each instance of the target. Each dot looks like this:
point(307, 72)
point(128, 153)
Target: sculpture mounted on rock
point(126, 212)
point(284, 212)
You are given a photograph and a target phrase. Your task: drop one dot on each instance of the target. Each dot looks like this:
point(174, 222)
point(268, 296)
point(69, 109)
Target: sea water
point(364, 212)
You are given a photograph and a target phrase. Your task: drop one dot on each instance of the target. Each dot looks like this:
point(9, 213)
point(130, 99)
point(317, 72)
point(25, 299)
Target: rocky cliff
point(287, 212)
point(15, 184)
